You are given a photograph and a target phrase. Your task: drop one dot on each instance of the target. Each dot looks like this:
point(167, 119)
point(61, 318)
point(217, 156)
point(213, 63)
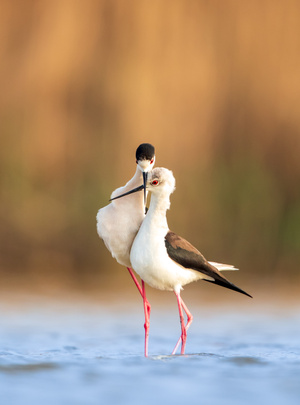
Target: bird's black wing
point(185, 254)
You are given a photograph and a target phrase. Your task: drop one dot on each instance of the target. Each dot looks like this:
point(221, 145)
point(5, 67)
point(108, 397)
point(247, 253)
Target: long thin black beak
point(134, 190)
point(145, 177)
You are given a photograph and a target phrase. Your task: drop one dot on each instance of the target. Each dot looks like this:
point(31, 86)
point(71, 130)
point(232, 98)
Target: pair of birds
point(145, 244)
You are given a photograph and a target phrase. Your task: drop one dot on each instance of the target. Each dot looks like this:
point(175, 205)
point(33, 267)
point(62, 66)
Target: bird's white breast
point(119, 222)
point(150, 260)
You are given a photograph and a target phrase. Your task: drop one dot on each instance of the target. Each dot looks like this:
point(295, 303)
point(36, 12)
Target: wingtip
point(248, 295)
point(229, 285)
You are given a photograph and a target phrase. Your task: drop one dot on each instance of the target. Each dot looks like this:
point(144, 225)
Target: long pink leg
point(184, 328)
point(135, 280)
point(140, 290)
point(147, 307)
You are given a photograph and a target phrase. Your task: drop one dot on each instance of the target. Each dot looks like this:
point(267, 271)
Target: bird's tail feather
point(223, 267)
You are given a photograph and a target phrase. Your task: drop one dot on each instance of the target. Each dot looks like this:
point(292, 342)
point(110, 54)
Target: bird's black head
point(145, 152)
point(145, 159)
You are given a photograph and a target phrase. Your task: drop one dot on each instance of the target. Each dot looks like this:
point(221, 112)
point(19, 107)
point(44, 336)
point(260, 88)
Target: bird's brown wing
point(185, 254)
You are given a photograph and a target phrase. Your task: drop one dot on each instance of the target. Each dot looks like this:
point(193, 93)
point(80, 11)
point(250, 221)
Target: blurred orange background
point(213, 85)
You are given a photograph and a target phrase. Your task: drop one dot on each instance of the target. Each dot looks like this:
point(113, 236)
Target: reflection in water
point(24, 368)
point(246, 361)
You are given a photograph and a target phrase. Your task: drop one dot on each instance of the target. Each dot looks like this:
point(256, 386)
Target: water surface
point(85, 354)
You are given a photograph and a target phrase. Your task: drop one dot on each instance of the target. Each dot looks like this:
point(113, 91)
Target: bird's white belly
point(118, 228)
point(150, 260)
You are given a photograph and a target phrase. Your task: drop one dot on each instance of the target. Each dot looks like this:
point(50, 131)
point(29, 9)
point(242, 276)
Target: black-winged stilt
point(119, 222)
point(163, 259)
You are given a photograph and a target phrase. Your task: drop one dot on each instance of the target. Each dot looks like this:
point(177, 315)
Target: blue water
point(85, 354)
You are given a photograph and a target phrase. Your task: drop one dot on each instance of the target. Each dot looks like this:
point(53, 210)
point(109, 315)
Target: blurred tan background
point(213, 85)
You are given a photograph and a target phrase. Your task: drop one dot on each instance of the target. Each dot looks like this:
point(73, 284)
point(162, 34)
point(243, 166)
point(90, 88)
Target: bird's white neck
point(137, 180)
point(157, 210)
point(137, 198)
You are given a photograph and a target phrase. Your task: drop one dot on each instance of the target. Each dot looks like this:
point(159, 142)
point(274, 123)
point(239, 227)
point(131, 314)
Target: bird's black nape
point(145, 152)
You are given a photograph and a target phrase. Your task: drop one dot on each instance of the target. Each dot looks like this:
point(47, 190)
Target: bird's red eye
point(151, 161)
point(154, 182)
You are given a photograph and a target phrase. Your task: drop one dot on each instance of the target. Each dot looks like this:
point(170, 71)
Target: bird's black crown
point(145, 152)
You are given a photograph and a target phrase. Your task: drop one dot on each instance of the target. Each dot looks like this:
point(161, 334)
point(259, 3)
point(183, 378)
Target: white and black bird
point(119, 221)
point(163, 259)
